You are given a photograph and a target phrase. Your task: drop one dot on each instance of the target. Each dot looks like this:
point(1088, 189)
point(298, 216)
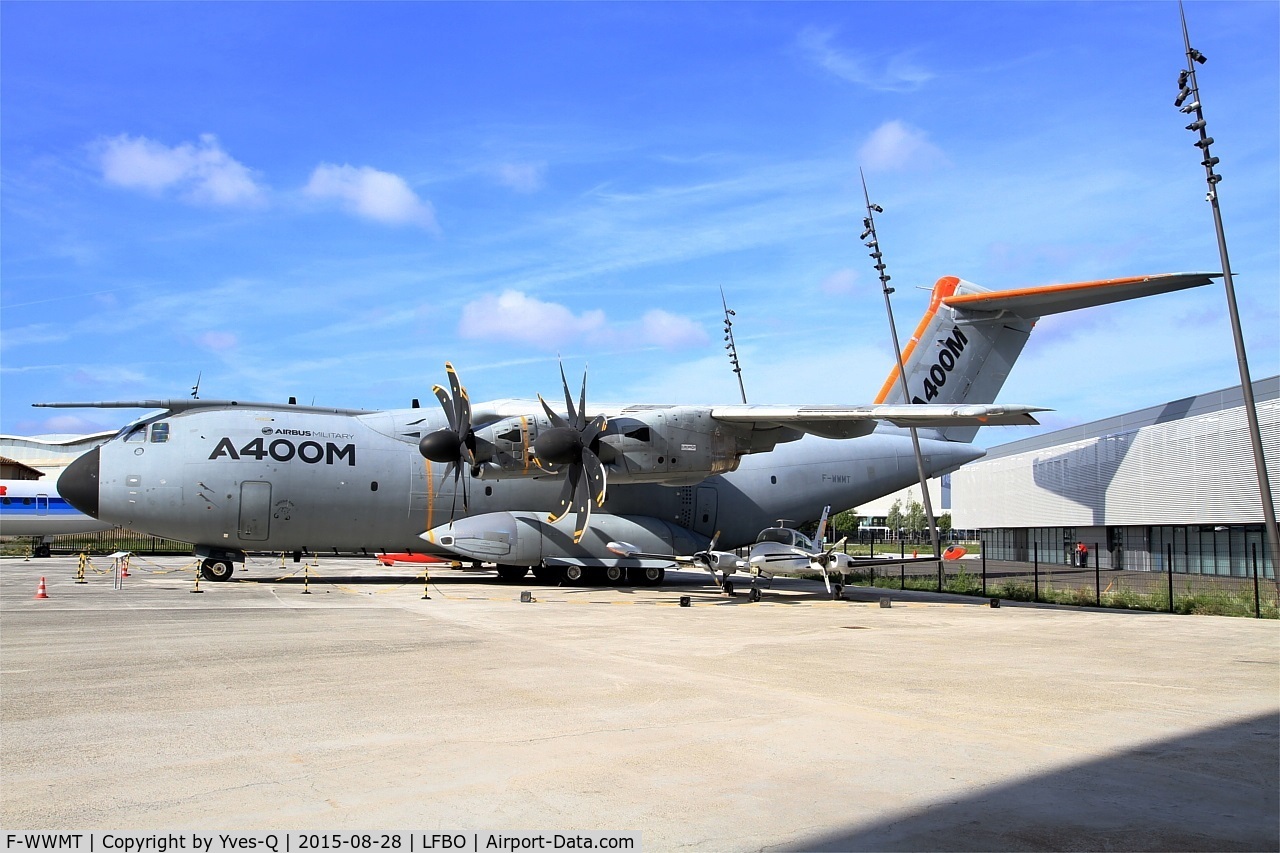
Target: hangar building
point(1173, 481)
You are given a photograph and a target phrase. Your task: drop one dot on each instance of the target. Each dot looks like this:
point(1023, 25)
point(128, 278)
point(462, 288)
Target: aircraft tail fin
point(822, 527)
point(970, 336)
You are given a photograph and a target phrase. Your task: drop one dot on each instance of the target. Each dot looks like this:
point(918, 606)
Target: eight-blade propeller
point(455, 444)
point(568, 443)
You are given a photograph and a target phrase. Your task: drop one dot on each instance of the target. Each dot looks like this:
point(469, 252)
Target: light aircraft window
point(775, 534)
point(159, 433)
point(137, 434)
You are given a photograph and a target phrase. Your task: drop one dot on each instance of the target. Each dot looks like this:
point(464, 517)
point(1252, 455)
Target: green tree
point(845, 522)
point(944, 523)
point(915, 520)
point(895, 520)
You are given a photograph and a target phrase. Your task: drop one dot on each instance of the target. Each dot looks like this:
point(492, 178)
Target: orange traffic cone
point(40, 593)
point(124, 567)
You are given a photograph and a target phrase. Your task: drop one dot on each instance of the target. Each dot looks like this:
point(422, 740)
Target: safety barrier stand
point(84, 558)
point(306, 576)
point(426, 583)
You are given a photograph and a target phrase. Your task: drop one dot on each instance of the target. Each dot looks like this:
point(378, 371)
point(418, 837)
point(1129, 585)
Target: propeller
point(455, 444)
point(710, 559)
point(567, 444)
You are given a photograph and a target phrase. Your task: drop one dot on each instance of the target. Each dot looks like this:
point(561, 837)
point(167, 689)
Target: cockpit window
point(138, 433)
point(781, 535)
point(159, 433)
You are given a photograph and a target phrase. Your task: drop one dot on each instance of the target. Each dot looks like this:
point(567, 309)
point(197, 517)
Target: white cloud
point(514, 316)
point(670, 331)
point(219, 341)
point(522, 177)
point(897, 146)
point(372, 194)
point(842, 282)
point(203, 173)
point(899, 75)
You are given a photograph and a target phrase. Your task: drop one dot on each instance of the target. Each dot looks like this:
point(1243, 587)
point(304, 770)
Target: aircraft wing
point(853, 421)
point(1057, 298)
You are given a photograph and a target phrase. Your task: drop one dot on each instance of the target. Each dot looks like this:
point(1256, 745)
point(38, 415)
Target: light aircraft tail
point(970, 337)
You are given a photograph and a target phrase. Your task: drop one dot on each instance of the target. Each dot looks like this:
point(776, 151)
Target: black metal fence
point(102, 542)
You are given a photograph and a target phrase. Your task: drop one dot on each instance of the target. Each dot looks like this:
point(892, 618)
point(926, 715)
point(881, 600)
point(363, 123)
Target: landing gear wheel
point(512, 574)
point(41, 550)
point(217, 570)
point(546, 575)
point(728, 587)
point(649, 576)
point(615, 575)
point(755, 595)
point(572, 574)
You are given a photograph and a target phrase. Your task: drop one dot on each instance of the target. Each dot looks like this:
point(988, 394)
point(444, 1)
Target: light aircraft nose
point(79, 483)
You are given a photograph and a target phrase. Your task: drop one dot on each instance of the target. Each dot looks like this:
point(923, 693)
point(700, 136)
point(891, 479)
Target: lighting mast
point(1187, 88)
point(869, 230)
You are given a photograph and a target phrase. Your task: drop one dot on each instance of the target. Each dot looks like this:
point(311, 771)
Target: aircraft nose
point(79, 483)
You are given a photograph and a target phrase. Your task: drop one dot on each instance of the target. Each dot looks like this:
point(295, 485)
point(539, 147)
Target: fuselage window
point(138, 433)
point(159, 433)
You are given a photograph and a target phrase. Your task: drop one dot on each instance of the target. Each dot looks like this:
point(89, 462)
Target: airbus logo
point(951, 347)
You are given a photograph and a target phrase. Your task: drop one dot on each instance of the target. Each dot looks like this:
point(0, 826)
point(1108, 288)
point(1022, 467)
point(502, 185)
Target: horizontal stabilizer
point(1032, 302)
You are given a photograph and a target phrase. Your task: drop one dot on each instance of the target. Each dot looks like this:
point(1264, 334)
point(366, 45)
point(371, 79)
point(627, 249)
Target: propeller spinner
point(568, 444)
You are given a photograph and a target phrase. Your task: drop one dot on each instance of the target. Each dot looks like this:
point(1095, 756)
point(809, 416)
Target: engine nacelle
point(673, 445)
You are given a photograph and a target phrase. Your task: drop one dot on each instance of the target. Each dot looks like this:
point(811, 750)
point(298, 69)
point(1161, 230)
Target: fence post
point(983, 546)
point(1168, 549)
point(1035, 556)
point(1097, 578)
point(902, 583)
point(1257, 605)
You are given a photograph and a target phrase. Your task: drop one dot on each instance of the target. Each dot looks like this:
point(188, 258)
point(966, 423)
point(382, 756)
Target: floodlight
point(1182, 96)
point(871, 244)
point(1196, 125)
point(1204, 143)
point(1198, 56)
point(1182, 78)
point(1191, 107)
point(865, 234)
point(875, 255)
point(1210, 162)
point(877, 208)
point(879, 266)
point(1213, 179)
point(731, 311)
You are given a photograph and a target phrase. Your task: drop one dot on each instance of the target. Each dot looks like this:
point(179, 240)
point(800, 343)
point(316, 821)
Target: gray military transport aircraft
point(478, 481)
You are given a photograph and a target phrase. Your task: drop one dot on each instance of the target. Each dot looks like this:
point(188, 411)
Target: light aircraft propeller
point(454, 444)
point(710, 559)
point(568, 444)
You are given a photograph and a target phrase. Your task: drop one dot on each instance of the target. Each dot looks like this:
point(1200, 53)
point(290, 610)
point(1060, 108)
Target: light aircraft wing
point(853, 421)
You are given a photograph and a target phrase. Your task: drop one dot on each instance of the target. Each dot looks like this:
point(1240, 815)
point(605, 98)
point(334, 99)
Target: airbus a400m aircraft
point(478, 480)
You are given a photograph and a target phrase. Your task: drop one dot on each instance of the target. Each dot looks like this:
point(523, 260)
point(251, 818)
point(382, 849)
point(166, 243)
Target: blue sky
point(330, 200)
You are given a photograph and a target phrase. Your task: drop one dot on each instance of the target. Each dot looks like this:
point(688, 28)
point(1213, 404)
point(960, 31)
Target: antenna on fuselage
point(869, 230)
point(195, 389)
point(731, 346)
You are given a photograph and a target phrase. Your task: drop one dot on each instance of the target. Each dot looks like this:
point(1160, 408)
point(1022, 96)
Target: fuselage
point(34, 508)
point(282, 480)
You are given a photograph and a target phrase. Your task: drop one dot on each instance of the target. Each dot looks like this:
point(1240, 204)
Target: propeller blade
point(582, 501)
point(459, 395)
point(593, 429)
point(566, 494)
point(582, 402)
point(446, 404)
point(556, 420)
point(597, 479)
point(568, 400)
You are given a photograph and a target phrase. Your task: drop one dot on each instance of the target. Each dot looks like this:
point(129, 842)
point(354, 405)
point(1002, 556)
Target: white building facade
point(1170, 483)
